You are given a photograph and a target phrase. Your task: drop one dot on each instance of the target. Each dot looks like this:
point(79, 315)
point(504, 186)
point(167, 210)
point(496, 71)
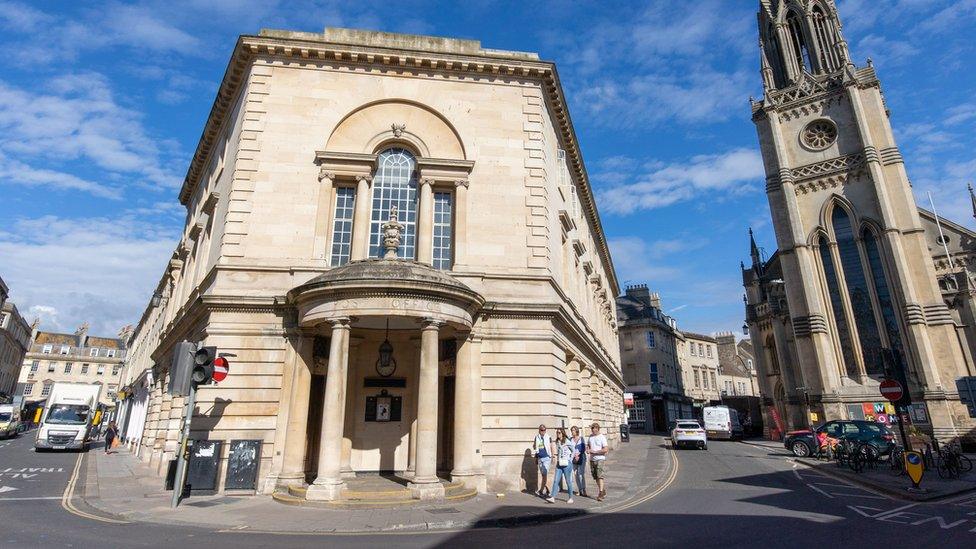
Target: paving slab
point(124, 487)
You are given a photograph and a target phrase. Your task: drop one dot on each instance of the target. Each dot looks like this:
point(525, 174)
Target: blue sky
point(101, 106)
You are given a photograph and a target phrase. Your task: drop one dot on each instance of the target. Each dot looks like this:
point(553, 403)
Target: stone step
point(363, 499)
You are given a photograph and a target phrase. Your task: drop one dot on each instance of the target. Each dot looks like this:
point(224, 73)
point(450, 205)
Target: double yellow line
point(69, 493)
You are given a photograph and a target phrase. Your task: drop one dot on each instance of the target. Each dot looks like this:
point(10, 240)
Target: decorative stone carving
point(392, 232)
point(819, 134)
point(398, 129)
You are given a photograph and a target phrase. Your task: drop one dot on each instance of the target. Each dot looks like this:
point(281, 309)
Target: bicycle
point(951, 463)
point(896, 461)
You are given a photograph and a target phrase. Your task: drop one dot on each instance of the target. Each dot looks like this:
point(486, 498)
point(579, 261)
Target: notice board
point(242, 465)
point(201, 474)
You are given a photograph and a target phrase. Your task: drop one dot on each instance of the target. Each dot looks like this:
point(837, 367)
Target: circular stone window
point(819, 134)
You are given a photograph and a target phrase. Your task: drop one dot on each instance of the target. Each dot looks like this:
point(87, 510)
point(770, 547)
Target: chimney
point(655, 300)
point(82, 334)
point(640, 293)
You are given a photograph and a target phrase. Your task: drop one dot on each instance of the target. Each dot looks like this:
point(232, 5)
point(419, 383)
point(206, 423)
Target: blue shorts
point(544, 464)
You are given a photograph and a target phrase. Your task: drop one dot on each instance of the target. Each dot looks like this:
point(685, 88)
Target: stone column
point(293, 462)
point(460, 221)
point(360, 219)
point(345, 466)
point(467, 414)
point(425, 483)
point(425, 222)
point(328, 484)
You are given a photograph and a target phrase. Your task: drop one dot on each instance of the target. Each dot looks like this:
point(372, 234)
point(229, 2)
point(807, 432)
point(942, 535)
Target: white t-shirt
point(543, 442)
point(597, 443)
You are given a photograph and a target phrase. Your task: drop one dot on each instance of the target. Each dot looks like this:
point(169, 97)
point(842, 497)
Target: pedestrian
point(564, 466)
point(579, 460)
point(597, 448)
point(542, 445)
point(110, 433)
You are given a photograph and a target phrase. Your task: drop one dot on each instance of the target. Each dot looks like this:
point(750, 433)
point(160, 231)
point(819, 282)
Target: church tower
point(857, 270)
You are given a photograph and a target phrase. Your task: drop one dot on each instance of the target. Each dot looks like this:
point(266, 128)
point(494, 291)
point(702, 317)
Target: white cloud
point(100, 270)
point(718, 175)
point(14, 171)
point(77, 118)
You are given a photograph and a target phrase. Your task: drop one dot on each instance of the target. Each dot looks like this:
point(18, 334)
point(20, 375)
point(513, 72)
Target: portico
point(424, 311)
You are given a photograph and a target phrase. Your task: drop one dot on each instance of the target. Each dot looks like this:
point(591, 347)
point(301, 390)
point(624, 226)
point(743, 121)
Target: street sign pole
point(184, 437)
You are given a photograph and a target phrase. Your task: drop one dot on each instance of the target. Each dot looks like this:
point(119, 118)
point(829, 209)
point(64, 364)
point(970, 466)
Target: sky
point(102, 105)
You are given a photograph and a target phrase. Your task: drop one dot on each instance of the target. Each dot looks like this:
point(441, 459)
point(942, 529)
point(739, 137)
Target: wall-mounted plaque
point(383, 407)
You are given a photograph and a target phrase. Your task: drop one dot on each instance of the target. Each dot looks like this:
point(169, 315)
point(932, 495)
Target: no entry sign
point(220, 369)
point(891, 390)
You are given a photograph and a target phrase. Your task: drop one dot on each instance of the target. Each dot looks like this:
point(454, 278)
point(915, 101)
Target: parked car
point(803, 443)
point(688, 432)
point(9, 420)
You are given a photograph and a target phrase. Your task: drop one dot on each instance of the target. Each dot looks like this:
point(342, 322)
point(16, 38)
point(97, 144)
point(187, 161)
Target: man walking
point(597, 448)
point(543, 449)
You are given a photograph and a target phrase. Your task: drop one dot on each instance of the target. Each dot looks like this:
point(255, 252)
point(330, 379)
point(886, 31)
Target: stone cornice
point(304, 49)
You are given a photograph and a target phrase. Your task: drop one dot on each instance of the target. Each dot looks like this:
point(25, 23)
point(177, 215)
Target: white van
point(9, 420)
point(68, 416)
point(722, 422)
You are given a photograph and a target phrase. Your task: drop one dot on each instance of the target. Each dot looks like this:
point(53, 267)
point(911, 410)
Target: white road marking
point(819, 490)
point(859, 496)
point(6, 489)
point(30, 498)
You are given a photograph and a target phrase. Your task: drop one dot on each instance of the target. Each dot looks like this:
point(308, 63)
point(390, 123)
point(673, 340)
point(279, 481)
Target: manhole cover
point(444, 510)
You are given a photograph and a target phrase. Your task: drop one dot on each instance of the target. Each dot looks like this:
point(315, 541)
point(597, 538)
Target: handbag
point(115, 443)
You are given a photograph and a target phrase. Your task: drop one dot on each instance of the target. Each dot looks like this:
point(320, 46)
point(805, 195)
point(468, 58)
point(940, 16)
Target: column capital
point(427, 181)
point(431, 324)
point(461, 183)
point(326, 175)
point(340, 322)
point(368, 179)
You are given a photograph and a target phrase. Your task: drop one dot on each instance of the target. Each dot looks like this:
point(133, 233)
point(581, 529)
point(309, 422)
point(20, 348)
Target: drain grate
point(444, 510)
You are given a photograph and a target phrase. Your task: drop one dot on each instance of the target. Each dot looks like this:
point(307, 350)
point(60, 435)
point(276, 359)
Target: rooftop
point(398, 41)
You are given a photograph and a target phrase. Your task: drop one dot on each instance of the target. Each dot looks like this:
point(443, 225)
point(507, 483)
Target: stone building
point(15, 336)
point(73, 358)
point(650, 346)
point(700, 365)
point(4, 292)
point(854, 273)
point(736, 368)
point(396, 238)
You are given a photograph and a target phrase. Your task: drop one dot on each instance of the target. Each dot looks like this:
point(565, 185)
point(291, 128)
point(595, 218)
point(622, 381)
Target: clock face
point(386, 371)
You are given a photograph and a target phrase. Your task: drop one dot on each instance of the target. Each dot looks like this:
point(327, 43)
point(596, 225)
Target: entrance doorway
point(445, 427)
point(316, 400)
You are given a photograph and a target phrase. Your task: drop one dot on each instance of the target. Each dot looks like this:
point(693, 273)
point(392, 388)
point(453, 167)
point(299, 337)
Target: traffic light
point(203, 365)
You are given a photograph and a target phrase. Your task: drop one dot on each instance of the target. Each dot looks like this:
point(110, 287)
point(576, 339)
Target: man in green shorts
point(597, 448)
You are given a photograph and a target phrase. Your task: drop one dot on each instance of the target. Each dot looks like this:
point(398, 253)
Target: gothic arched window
point(773, 55)
point(823, 36)
point(837, 307)
point(395, 183)
point(858, 291)
point(800, 50)
point(881, 290)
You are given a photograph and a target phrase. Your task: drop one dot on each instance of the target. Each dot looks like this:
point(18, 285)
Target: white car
point(688, 432)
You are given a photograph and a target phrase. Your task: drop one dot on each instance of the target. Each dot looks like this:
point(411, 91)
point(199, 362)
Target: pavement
point(121, 487)
point(733, 495)
point(880, 479)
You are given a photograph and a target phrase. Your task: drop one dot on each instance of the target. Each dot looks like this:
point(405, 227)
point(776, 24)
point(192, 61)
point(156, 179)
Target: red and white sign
point(891, 390)
point(221, 369)
point(628, 399)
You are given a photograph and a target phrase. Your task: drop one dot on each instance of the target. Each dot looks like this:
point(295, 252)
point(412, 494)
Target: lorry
point(721, 422)
point(9, 420)
point(67, 419)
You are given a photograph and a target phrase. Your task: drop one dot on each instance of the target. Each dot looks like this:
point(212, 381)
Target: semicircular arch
point(379, 124)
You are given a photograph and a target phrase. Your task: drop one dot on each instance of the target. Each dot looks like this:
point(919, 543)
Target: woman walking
point(110, 433)
point(564, 466)
point(579, 460)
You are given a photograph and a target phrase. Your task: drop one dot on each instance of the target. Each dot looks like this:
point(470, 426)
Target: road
point(733, 495)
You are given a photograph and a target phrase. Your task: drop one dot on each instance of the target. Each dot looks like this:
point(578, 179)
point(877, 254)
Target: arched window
point(395, 183)
point(881, 290)
point(837, 307)
point(824, 38)
point(858, 291)
point(773, 55)
point(800, 50)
